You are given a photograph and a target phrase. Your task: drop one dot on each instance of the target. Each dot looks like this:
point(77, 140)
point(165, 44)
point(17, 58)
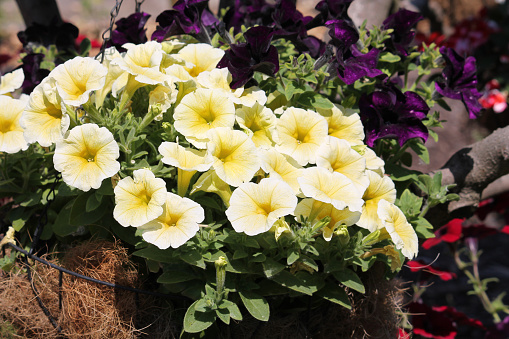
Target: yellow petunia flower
point(187, 160)
point(77, 78)
point(254, 208)
point(11, 81)
point(301, 132)
point(116, 78)
point(143, 62)
point(11, 133)
point(161, 98)
point(44, 120)
point(336, 155)
point(178, 223)
point(281, 166)
point(235, 156)
point(380, 187)
point(330, 188)
point(201, 111)
point(306, 208)
point(259, 122)
point(344, 124)
point(204, 57)
point(140, 199)
point(211, 183)
point(401, 232)
point(87, 156)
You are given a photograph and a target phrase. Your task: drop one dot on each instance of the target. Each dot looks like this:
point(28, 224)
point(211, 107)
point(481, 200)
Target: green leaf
point(65, 191)
point(176, 276)
point(93, 201)
point(18, 217)
point(399, 173)
point(224, 315)
point(292, 257)
point(234, 310)
point(193, 257)
point(421, 150)
point(302, 282)
point(350, 279)
point(389, 57)
point(79, 215)
point(272, 267)
point(410, 203)
point(258, 257)
point(314, 100)
point(156, 254)
point(335, 294)
point(239, 254)
point(195, 322)
point(106, 188)
point(257, 306)
point(62, 225)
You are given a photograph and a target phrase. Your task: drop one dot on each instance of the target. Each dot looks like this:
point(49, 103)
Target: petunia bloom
point(389, 113)
point(131, 29)
point(178, 223)
point(331, 188)
point(201, 111)
point(344, 124)
point(11, 81)
point(336, 155)
point(255, 55)
point(77, 78)
point(459, 81)
point(345, 217)
point(44, 120)
point(254, 208)
point(203, 57)
point(402, 36)
point(87, 156)
point(235, 156)
point(380, 187)
point(33, 72)
point(401, 232)
point(281, 166)
point(450, 232)
point(140, 199)
point(429, 271)
point(11, 133)
point(300, 133)
point(259, 122)
point(187, 160)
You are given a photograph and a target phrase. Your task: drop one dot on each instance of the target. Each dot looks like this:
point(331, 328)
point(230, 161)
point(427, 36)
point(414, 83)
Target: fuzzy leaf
point(195, 321)
point(350, 279)
point(257, 306)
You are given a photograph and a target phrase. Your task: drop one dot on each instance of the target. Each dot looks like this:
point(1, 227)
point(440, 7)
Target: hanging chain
point(113, 16)
point(138, 5)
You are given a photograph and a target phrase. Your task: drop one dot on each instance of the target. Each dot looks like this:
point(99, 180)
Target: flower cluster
point(238, 151)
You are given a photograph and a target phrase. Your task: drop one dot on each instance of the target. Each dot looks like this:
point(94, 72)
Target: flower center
point(6, 126)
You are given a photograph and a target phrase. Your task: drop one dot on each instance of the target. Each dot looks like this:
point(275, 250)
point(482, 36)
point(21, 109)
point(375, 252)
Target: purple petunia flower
point(402, 22)
point(256, 54)
point(460, 81)
point(290, 24)
point(248, 13)
point(187, 17)
point(343, 35)
point(389, 113)
point(131, 29)
point(353, 65)
point(34, 74)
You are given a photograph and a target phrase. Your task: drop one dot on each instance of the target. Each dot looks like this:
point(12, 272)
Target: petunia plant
point(244, 164)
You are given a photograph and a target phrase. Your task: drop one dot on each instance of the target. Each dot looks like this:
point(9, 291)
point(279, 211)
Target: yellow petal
point(87, 156)
point(301, 132)
point(11, 81)
point(139, 200)
point(11, 133)
point(402, 233)
point(77, 78)
point(176, 225)
point(235, 156)
point(380, 187)
point(254, 208)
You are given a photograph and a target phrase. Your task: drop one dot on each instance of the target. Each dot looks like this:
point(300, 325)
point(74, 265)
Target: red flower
point(403, 335)
point(495, 100)
point(418, 265)
point(478, 231)
point(450, 232)
point(438, 322)
point(505, 229)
